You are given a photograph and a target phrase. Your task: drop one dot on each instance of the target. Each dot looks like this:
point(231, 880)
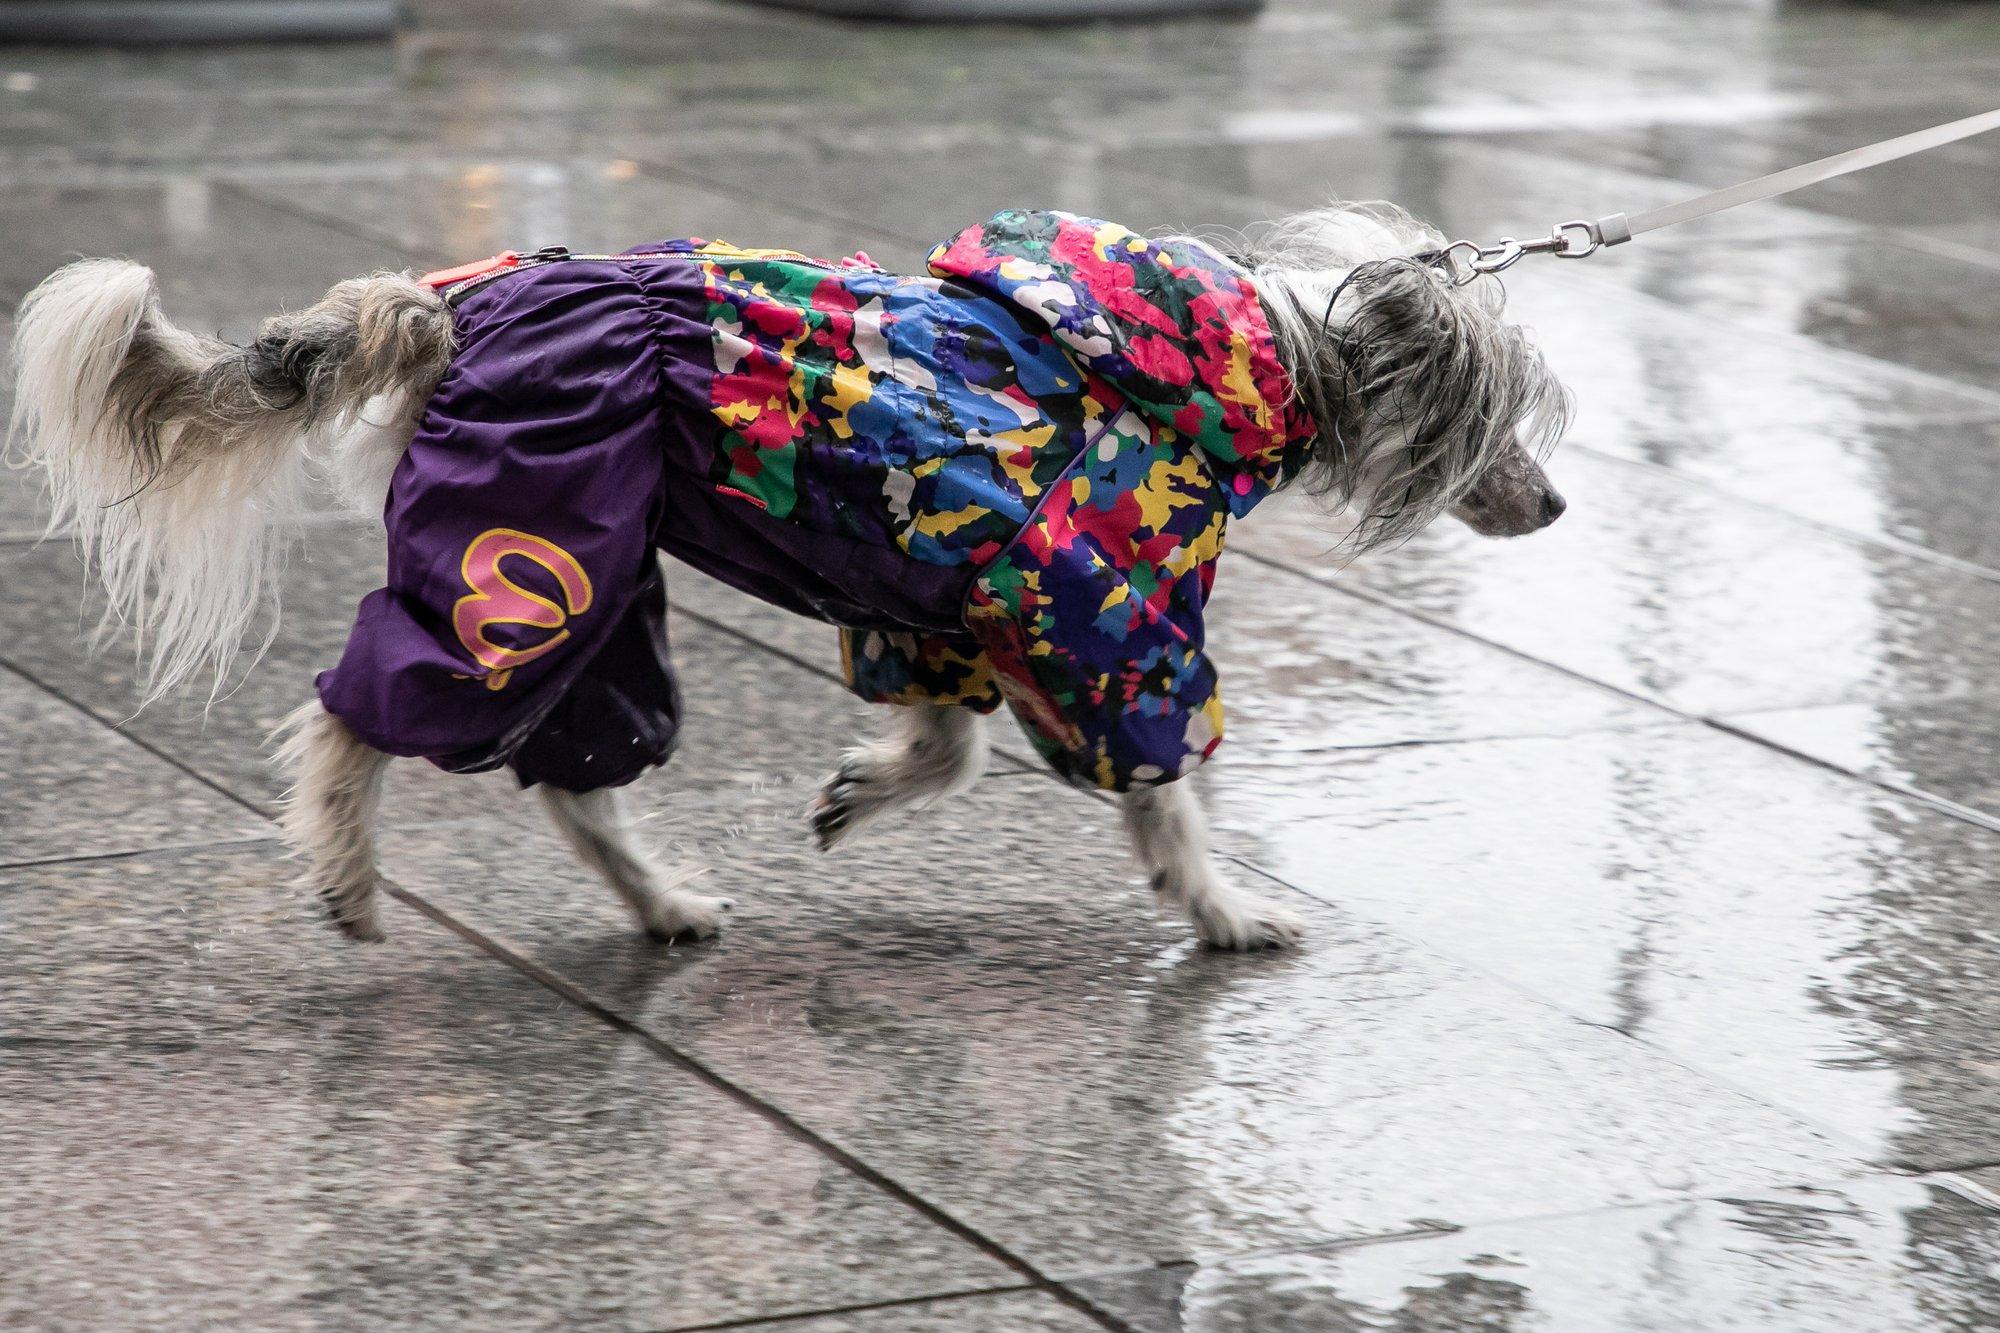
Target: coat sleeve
point(1102, 664)
point(908, 668)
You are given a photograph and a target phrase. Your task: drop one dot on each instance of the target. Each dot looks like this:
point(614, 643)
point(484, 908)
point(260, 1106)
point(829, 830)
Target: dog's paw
point(680, 915)
point(351, 908)
point(365, 930)
point(842, 805)
point(1243, 923)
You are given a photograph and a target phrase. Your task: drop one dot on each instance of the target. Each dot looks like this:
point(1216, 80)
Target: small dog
point(1006, 480)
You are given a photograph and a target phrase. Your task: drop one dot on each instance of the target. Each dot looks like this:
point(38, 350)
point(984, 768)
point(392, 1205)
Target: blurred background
point(1655, 975)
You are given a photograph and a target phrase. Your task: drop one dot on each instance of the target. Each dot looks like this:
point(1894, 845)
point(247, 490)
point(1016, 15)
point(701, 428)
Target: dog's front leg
point(1170, 836)
point(598, 824)
point(329, 815)
point(929, 751)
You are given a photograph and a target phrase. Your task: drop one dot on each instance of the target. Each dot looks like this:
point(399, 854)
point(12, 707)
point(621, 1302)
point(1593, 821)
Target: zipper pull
point(451, 277)
point(479, 268)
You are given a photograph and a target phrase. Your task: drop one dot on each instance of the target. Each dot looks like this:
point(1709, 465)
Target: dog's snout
point(1552, 506)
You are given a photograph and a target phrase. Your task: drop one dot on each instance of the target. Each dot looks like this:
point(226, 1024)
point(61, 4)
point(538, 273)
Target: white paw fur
point(931, 752)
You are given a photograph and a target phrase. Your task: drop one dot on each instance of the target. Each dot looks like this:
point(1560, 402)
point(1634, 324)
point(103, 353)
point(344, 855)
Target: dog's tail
point(180, 462)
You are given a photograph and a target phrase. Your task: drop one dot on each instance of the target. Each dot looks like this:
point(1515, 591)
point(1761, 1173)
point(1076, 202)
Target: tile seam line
point(149, 747)
point(757, 1321)
point(881, 1180)
point(1715, 723)
point(218, 844)
point(172, 848)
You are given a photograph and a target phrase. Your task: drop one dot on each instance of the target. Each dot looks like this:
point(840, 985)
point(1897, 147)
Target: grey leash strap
point(1465, 260)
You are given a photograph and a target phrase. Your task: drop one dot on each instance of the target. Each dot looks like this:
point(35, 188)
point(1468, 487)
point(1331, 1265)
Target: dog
point(1006, 480)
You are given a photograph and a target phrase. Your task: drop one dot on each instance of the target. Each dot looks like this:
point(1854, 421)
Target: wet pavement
point(1654, 980)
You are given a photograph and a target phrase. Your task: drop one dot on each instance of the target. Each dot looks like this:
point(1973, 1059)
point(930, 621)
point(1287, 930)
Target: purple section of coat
point(573, 433)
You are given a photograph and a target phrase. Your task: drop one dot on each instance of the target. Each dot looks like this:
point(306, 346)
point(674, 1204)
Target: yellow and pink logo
point(496, 599)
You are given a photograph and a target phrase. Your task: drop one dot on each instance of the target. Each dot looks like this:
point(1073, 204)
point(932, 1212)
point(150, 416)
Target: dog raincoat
point(1006, 480)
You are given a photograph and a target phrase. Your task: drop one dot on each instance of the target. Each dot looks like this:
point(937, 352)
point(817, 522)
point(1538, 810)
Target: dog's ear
point(1440, 387)
point(1403, 345)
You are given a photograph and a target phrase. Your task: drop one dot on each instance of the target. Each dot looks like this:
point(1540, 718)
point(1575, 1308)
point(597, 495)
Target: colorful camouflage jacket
point(1007, 480)
point(1089, 623)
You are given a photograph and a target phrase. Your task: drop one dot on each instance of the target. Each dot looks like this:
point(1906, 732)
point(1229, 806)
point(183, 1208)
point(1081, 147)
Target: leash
point(1462, 261)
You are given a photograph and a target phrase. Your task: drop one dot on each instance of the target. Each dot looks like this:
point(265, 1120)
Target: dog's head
point(1428, 402)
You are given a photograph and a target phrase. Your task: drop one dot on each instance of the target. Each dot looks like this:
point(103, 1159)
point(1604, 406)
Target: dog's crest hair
point(181, 462)
point(1416, 386)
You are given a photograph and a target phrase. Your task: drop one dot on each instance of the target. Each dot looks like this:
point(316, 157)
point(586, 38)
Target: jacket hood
point(1170, 324)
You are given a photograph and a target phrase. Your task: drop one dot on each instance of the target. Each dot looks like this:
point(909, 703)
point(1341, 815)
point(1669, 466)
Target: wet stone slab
point(1880, 1253)
point(1028, 1044)
point(1895, 303)
point(1926, 483)
point(1024, 1039)
point(1656, 586)
point(1807, 937)
point(218, 1113)
point(1942, 748)
point(224, 261)
point(1637, 362)
point(599, 204)
point(69, 785)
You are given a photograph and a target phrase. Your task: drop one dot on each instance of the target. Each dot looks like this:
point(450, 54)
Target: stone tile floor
point(1655, 979)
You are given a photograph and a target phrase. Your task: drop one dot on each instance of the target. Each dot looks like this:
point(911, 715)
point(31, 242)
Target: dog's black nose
point(1552, 506)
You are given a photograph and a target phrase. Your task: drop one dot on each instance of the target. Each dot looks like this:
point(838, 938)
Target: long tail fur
point(180, 462)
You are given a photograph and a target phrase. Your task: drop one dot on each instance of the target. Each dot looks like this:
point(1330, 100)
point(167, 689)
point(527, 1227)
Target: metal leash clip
point(1462, 261)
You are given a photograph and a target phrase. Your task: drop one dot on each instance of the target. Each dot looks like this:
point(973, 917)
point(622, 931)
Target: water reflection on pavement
point(1655, 980)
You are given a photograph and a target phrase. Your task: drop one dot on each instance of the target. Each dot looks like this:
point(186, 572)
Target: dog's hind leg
point(598, 824)
point(329, 815)
point(1170, 836)
point(929, 752)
